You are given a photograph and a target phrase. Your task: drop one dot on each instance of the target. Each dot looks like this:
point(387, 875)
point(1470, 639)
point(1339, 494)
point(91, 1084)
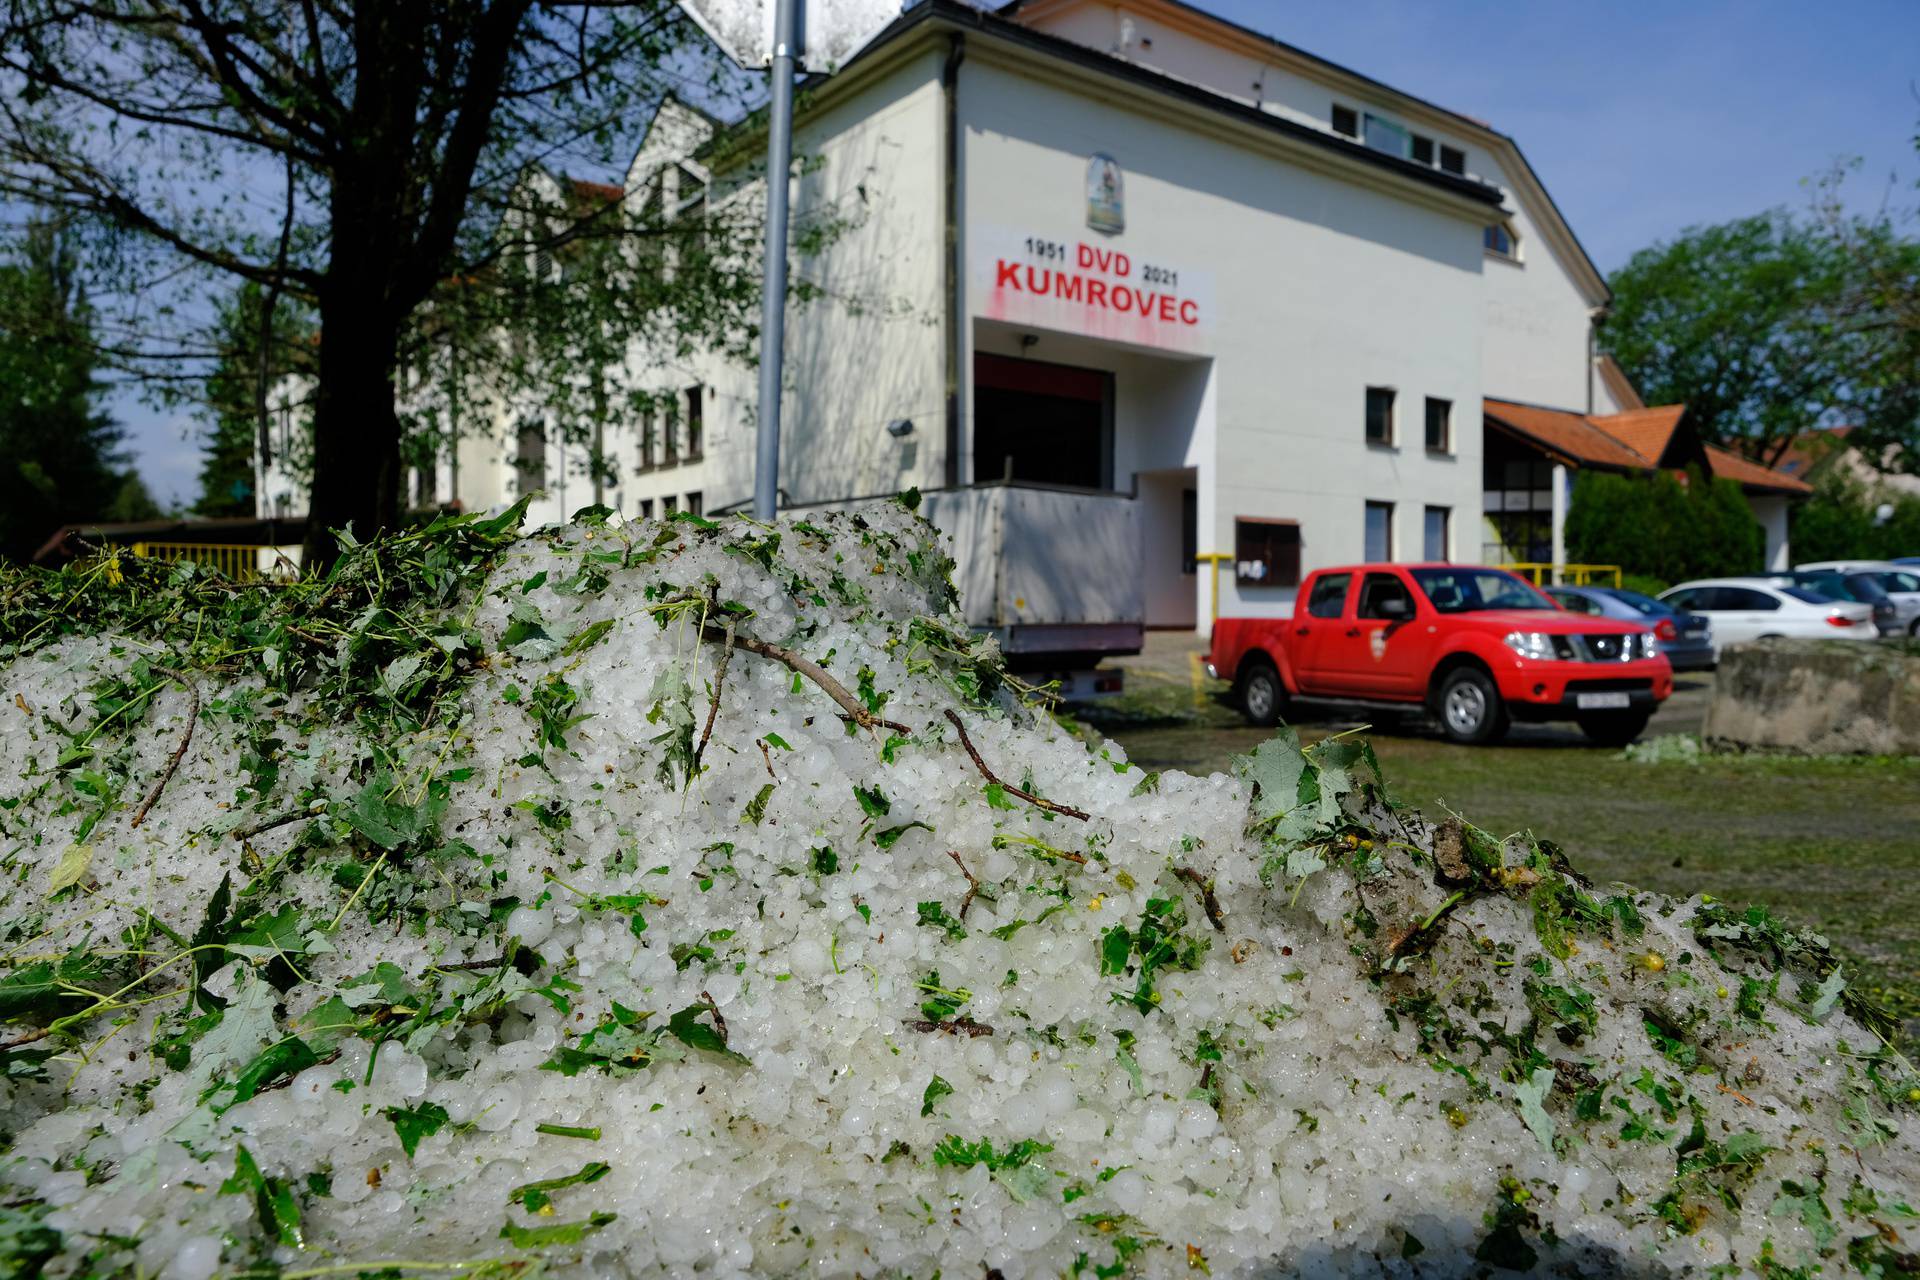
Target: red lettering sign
point(1092, 291)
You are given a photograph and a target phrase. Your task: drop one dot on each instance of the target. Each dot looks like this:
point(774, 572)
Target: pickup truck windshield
point(1474, 590)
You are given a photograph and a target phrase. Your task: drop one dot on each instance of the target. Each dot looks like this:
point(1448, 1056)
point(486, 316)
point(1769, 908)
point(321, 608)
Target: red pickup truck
point(1478, 647)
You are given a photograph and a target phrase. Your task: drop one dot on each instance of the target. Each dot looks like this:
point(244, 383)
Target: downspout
point(956, 339)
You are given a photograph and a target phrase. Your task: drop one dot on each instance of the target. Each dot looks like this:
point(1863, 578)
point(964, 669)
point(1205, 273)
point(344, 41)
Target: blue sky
point(1642, 118)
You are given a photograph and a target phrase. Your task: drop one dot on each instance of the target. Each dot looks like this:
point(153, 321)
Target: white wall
point(1771, 511)
point(1317, 288)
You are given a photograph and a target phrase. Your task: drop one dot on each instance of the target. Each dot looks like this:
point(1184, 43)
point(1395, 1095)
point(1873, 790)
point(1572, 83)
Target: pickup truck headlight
point(1644, 645)
point(1531, 644)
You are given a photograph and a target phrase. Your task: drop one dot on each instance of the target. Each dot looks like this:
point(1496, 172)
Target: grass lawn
point(1831, 844)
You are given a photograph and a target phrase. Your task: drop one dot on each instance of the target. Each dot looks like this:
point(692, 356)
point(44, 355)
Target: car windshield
point(1806, 596)
point(1645, 604)
point(1473, 590)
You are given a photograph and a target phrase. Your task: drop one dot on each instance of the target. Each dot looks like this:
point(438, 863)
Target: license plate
point(1599, 701)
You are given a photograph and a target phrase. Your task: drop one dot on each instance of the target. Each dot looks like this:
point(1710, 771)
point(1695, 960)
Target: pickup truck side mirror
point(1398, 608)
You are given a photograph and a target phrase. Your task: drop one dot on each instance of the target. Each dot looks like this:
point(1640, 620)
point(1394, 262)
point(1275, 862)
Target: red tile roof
point(1632, 441)
point(1751, 474)
point(1572, 435)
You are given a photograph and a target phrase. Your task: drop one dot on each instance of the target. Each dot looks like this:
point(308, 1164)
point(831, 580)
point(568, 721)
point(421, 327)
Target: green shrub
point(1837, 523)
point(1656, 528)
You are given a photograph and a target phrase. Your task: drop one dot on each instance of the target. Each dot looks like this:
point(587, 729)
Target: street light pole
point(773, 302)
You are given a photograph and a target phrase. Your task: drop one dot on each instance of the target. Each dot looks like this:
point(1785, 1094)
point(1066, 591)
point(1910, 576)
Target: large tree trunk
point(357, 481)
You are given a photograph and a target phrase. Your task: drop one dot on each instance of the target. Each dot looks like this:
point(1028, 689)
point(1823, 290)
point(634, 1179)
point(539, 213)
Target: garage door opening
point(1042, 423)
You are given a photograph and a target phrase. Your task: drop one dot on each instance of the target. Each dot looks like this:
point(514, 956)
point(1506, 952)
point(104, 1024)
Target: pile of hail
point(702, 898)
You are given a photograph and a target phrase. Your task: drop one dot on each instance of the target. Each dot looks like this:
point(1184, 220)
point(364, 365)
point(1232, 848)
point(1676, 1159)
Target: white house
point(1131, 247)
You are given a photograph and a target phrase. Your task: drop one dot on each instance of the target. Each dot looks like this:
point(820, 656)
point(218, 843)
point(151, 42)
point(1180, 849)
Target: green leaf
point(535, 1196)
point(1531, 1094)
point(555, 1233)
point(891, 836)
point(416, 1123)
point(997, 796)
point(873, 802)
point(824, 861)
point(937, 1089)
point(588, 636)
point(934, 915)
point(1116, 944)
point(273, 1199)
point(289, 1057)
point(756, 809)
point(1826, 996)
point(1273, 770)
point(686, 1027)
point(775, 740)
point(71, 868)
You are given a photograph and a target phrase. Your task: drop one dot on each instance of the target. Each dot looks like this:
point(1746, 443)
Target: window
point(1422, 150)
point(696, 421)
point(530, 455)
point(1266, 553)
point(1747, 600)
point(666, 506)
point(695, 503)
point(1453, 159)
point(669, 436)
point(1434, 531)
point(646, 508)
point(1383, 595)
point(649, 439)
point(1573, 603)
point(1346, 120)
point(1379, 531)
point(1385, 135)
point(1473, 590)
point(1379, 415)
point(1329, 597)
point(1500, 240)
point(1439, 425)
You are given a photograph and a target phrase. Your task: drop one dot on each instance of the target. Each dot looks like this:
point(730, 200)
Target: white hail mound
point(516, 985)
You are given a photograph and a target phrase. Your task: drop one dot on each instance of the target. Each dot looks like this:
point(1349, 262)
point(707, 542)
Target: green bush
point(1837, 523)
point(1654, 527)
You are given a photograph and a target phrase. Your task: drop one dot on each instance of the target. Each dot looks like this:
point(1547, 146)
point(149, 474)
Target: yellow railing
point(241, 562)
point(1573, 575)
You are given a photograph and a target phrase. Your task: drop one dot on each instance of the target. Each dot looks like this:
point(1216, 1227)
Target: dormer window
point(1453, 160)
point(1422, 149)
point(1346, 121)
point(1385, 135)
point(1501, 241)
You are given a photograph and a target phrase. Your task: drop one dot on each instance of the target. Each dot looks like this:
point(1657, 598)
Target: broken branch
point(973, 883)
point(812, 671)
point(957, 1026)
point(1207, 900)
point(713, 704)
point(1038, 802)
point(186, 737)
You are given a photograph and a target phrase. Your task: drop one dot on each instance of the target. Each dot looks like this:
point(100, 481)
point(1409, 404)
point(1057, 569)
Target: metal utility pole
point(773, 302)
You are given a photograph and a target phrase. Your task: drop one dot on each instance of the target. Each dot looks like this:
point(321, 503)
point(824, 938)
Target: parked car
point(1756, 609)
point(1478, 647)
point(1861, 588)
point(1906, 562)
point(1685, 638)
point(1901, 583)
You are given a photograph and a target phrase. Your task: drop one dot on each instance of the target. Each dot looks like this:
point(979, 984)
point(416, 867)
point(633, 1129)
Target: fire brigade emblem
point(1378, 643)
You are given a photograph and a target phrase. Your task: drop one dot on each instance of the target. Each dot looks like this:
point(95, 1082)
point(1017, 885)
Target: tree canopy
point(1768, 326)
point(400, 172)
point(60, 455)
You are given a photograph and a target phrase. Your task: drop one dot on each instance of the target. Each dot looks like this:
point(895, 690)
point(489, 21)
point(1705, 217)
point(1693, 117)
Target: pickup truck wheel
point(1614, 728)
point(1261, 694)
point(1470, 708)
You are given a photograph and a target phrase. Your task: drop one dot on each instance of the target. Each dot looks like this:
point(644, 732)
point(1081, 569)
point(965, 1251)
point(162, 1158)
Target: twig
point(1404, 943)
point(767, 756)
point(713, 705)
point(1207, 900)
point(29, 1038)
point(958, 1026)
point(464, 966)
point(812, 671)
point(267, 824)
point(186, 737)
point(1039, 802)
point(973, 884)
point(719, 1023)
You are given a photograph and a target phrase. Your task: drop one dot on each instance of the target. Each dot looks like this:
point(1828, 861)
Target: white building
point(1132, 247)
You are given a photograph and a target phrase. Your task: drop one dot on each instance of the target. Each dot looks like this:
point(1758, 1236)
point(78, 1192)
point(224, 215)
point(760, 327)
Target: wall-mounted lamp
point(1029, 341)
point(900, 427)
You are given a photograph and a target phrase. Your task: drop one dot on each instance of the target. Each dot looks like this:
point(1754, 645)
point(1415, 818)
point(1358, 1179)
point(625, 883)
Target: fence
point(1541, 574)
point(239, 561)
